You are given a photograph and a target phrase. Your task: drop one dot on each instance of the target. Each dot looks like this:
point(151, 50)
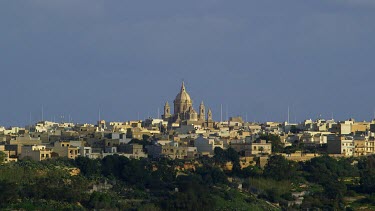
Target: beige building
point(342, 146)
point(35, 152)
point(172, 151)
point(364, 147)
point(359, 147)
point(24, 140)
point(137, 133)
point(260, 147)
point(64, 149)
point(360, 127)
point(240, 146)
point(132, 151)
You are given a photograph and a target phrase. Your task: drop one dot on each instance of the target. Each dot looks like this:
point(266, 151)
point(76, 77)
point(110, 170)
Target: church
point(184, 112)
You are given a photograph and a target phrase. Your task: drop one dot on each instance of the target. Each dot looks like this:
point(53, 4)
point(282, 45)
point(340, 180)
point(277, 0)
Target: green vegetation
point(2, 157)
point(119, 183)
point(277, 146)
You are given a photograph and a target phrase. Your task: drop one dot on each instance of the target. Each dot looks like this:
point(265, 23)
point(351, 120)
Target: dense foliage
point(119, 183)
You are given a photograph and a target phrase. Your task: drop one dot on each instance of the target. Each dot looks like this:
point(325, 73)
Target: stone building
point(36, 152)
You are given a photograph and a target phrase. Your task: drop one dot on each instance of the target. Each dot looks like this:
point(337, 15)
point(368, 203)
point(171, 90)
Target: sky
point(127, 58)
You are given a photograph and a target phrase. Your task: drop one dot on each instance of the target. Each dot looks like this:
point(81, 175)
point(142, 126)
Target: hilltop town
point(186, 160)
point(187, 134)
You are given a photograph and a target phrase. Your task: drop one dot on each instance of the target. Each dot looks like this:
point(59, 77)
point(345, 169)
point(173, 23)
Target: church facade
point(184, 112)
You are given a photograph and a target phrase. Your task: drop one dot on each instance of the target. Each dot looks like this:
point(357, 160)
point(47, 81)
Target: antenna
point(288, 115)
point(42, 113)
point(246, 117)
point(158, 114)
point(227, 118)
point(221, 112)
point(99, 115)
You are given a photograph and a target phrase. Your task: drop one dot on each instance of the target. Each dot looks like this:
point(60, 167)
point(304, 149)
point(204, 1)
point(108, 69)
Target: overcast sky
point(128, 57)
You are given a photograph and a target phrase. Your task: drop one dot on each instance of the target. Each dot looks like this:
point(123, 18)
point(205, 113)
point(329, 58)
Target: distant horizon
point(217, 119)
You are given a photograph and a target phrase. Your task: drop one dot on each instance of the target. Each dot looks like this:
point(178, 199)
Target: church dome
point(183, 96)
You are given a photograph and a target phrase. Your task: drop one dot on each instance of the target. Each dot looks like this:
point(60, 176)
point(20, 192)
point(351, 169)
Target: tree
point(261, 149)
point(251, 171)
point(89, 167)
point(220, 156)
point(367, 174)
point(2, 157)
point(279, 168)
point(327, 172)
point(8, 192)
point(294, 129)
point(101, 201)
point(212, 175)
point(230, 155)
point(277, 146)
point(193, 194)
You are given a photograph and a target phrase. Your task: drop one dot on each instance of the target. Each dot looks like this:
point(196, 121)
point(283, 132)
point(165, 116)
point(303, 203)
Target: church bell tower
point(202, 112)
point(167, 111)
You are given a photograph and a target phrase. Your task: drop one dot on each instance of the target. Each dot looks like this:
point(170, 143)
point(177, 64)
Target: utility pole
point(221, 112)
point(42, 113)
point(227, 118)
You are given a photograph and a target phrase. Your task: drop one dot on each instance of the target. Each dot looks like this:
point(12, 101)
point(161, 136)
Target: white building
point(207, 145)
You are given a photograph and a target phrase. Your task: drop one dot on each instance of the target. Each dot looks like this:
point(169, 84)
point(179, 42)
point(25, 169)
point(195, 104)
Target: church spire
point(183, 86)
point(209, 115)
